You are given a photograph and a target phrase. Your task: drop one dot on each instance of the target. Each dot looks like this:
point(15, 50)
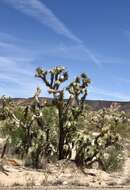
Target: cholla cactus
point(36, 142)
point(8, 119)
point(7, 109)
point(102, 131)
point(68, 110)
point(25, 129)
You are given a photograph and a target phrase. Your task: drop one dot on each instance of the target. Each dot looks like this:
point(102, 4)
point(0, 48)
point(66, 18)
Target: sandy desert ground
point(61, 173)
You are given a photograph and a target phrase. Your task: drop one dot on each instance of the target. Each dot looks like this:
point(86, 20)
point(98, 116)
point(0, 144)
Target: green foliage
point(51, 125)
point(113, 158)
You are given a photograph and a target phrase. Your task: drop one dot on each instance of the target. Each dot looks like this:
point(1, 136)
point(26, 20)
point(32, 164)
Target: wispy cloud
point(16, 68)
point(8, 37)
point(18, 61)
point(17, 71)
point(16, 76)
point(12, 46)
point(123, 80)
point(44, 15)
point(72, 52)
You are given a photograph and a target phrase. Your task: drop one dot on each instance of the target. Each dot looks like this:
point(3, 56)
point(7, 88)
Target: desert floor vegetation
point(57, 140)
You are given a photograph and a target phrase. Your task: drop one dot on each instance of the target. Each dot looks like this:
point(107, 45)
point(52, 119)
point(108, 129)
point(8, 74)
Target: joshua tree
point(68, 110)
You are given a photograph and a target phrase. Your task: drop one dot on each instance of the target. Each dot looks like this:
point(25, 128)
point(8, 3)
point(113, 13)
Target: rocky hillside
point(99, 104)
point(93, 104)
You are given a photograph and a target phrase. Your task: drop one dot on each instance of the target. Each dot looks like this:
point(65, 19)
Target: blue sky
point(84, 36)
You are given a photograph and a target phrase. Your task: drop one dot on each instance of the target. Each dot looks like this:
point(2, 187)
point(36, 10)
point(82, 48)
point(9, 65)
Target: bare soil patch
point(61, 173)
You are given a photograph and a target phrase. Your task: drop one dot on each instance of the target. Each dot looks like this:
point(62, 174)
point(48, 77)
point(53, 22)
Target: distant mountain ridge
point(94, 104)
point(99, 104)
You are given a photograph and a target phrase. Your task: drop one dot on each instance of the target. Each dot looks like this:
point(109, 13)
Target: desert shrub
point(100, 136)
point(113, 158)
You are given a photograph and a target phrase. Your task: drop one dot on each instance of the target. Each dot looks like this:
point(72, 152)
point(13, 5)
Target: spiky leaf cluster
point(53, 78)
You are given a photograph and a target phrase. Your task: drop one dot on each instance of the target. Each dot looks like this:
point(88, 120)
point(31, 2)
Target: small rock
point(65, 183)
point(111, 183)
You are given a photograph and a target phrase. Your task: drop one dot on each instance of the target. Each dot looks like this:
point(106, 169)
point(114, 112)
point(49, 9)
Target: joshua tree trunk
point(61, 135)
point(61, 142)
